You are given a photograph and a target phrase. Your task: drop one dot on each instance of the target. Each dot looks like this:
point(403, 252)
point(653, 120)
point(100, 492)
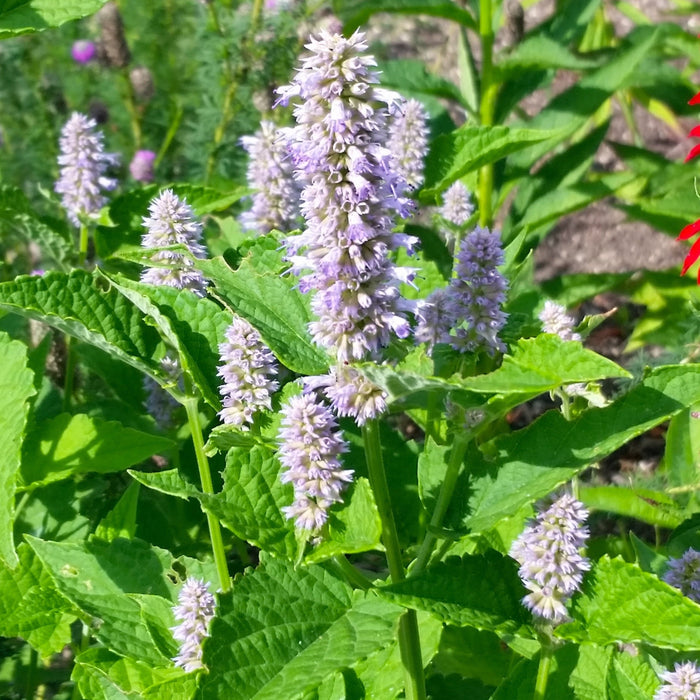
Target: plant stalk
point(489, 91)
point(543, 672)
point(217, 543)
point(444, 497)
point(409, 638)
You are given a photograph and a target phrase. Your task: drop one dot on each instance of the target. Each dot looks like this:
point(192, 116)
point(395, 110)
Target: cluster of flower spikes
point(352, 193)
point(311, 446)
point(408, 140)
point(83, 164)
point(683, 683)
point(468, 314)
point(172, 222)
point(684, 573)
point(691, 229)
point(247, 369)
point(195, 609)
point(551, 564)
point(271, 175)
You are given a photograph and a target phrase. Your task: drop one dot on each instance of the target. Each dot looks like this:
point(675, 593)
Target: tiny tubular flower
point(310, 448)
point(172, 222)
point(549, 554)
point(247, 367)
point(195, 610)
point(683, 683)
point(684, 574)
point(83, 166)
point(271, 175)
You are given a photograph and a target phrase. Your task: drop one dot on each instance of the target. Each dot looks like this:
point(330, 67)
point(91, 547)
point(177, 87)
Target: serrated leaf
point(121, 520)
point(103, 675)
point(470, 147)
point(538, 52)
point(681, 463)
point(168, 481)
point(630, 678)
point(481, 591)
point(355, 13)
point(274, 306)
point(31, 607)
point(652, 507)
point(117, 584)
point(410, 76)
point(622, 603)
point(38, 15)
point(281, 632)
point(532, 462)
point(353, 526)
point(67, 445)
point(544, 363)
point(76, 304)
point(16, 388)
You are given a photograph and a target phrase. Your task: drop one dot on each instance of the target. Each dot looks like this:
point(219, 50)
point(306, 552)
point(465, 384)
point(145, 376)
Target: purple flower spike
point(683, 683)
point(435, 318)
point(83, 166)
point(141, 166)
point(408, 141)
point(478, 292)
point(684, 574)
point(247, 367)
point(83, 51)
point(555, 320)
point(551, 565)
point(172, 222)
point(310, 449)
point(271, 174)
point(352, 195)
point(457, 206)
point(195, 610)
point(159, 403)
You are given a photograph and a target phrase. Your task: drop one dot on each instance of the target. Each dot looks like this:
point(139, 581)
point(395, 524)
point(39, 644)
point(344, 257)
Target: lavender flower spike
point(551, 565)
point(310, 449)
point(434, 318)
point(350, 393)
point(408, 141)
point(352, 194)
point(684, 574)
point(478, 292)
point(555, 320)
point(683, 683)
point(83, 166)
point(172, 222)
point(271, 174)
point(195, 609)
point(159, 403)
point(457, 205)
point(246, 368)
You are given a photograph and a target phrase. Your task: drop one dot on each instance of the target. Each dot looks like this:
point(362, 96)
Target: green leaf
point(121, 520)
point(468, 148)
point(681, 463)
point(281, 632)
point(67, 445)
point(125, 587)
point(652, 507)
point(79, 304)
point(31, 607)
point(532, 462)
point(168, 481)
point(538, 52)
point(622, 603)
point(648, 559)
point(194, 326)
point(37, 15)
point(274, 306)
point(544, 363)
point(410, 76)
point(355, 13)
point(16, 388)
point(630, 678)
point(103, 675)
point(482, 591)
point(353, 526)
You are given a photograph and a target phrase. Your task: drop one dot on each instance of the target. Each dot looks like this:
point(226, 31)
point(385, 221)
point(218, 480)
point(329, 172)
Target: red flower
point(691, 229)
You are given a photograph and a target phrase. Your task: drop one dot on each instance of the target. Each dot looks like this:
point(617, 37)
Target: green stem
point(543, 672)
point(445, 496)
point(409, 639)
point(30, 687)
point(83, 244)
point(69, 374)
point(217, 543)
point(489, 91)
point(132, 110)
point(351, 574)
